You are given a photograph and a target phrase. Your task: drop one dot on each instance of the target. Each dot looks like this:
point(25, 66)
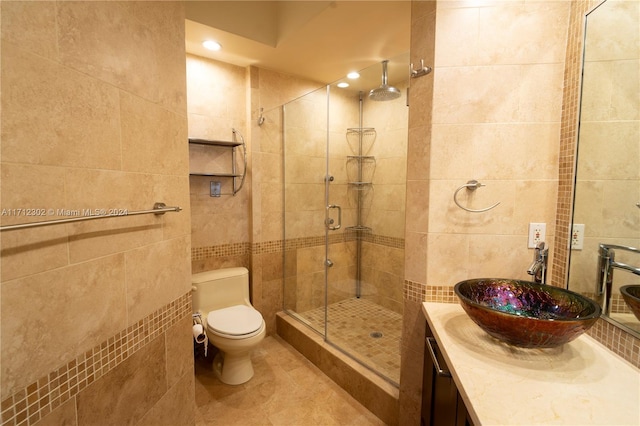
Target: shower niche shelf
point(361, 139)
point(360, 170)
point(231, 172)
point(358, 228)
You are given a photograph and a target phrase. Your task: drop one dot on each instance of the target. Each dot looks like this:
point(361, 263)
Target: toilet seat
point(235, 322)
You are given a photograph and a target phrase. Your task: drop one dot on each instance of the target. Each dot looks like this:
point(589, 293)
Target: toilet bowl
point(233, 325)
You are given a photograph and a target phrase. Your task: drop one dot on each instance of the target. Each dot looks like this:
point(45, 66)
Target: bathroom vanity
point(492, 383)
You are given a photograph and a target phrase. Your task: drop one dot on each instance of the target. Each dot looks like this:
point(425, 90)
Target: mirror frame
point(567, 172)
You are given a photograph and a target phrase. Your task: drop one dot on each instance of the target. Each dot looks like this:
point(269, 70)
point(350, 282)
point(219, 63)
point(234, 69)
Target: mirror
point(606, 213)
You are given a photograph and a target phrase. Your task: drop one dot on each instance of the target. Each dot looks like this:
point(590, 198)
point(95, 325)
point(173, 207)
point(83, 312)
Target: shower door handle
point(329, 222)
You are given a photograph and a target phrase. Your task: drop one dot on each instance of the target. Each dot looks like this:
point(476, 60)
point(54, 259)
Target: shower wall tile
point(310, 259)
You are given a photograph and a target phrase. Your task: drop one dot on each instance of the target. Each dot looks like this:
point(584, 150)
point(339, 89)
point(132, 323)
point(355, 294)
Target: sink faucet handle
point(538, 267)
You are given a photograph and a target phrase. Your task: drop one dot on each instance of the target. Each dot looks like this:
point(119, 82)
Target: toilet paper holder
point(197, 318)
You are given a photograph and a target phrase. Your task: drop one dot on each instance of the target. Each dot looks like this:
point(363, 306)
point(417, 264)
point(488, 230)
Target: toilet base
point(233, 369)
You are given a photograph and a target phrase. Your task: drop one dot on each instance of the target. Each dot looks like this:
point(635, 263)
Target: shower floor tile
point(367, 331)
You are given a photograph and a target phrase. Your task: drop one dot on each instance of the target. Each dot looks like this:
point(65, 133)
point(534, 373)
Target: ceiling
point(318, 40)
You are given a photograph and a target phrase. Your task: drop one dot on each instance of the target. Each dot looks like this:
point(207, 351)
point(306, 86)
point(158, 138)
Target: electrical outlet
point(537, 233)
point(577, 236)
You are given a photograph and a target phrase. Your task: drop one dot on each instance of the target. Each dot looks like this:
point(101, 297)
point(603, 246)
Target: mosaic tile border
point(417, 292)
point(568, 135)
point(617, 340)
point(27, 406)
point(440, 293)
point(413, 291)
point(236, 249)
point(276, 246)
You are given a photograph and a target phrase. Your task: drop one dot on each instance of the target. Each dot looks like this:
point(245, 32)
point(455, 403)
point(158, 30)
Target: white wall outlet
point(537, 233)
point(577, 236)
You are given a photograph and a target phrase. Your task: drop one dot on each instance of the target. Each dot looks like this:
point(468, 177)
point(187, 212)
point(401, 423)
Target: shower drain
point(375, 334)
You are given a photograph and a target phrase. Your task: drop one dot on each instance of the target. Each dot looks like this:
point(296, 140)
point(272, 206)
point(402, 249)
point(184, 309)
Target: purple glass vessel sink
point(526, 314)
point(631, 295)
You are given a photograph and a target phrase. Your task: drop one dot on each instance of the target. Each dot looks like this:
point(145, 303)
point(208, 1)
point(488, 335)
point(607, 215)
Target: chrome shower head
point(384, 92)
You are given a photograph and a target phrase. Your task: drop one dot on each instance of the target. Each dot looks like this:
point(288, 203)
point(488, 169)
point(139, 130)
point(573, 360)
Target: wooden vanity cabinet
point(441, 402)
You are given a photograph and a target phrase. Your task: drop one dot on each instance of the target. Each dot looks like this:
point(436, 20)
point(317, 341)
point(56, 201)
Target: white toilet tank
point(220, 288)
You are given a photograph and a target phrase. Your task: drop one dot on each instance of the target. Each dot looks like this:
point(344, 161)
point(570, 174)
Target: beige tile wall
point(423, 38)
point(216, 104)
point(93, 121)
point(496, 116)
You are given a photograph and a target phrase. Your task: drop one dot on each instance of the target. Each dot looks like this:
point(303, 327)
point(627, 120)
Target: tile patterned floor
point(286, 389)
point(353, 323)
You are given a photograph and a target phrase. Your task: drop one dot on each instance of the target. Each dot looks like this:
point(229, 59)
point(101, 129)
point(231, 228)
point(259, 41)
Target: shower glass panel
point(305, 138)
point(344, 193)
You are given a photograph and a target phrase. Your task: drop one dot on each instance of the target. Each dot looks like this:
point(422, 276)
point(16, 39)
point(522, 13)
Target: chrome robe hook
point(471, 185)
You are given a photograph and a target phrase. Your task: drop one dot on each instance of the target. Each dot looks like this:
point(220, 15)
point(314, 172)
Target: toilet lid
point(235, 320)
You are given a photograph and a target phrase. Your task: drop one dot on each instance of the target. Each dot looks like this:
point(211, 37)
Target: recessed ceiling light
point(353, 75)
point(211, 45)
point(342, 85)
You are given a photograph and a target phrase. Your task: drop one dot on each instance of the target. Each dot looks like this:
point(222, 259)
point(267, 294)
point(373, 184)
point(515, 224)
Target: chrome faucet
point(606, 264)
point(538, 267)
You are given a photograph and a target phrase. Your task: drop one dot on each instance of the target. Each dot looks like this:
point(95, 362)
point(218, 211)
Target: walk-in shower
point(344, 201)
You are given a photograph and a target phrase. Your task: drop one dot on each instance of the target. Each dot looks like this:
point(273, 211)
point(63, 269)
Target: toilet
point(232, 324)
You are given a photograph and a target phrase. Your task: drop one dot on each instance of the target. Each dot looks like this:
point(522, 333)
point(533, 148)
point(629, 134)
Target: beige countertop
point(579, 383)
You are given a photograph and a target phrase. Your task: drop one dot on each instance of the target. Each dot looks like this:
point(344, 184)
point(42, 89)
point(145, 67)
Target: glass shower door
point(305, 170)
point(344, 196)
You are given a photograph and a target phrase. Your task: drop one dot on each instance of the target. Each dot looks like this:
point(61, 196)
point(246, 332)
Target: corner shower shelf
point(361, 185)
point(238, 178)
point(358, 228)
